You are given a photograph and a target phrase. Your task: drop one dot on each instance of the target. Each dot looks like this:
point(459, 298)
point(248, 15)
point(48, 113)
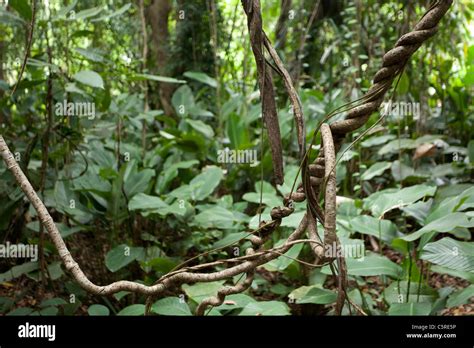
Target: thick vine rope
point(317, 177)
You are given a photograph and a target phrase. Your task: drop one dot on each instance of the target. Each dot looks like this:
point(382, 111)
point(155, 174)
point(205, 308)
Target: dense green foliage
point(130, 176)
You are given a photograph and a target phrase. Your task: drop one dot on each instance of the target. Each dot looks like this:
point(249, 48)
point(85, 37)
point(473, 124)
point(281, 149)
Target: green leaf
point(22, 7)
point(98, 310)
point(206, 182)
point(119, 12)
point(19, 270)
point(384, 229)
point(313, 294)
point(461, 297)
point(151, 204)
point(397, 292)
point(375, 170)
point(201, 77)
point(171, 172)
point(121, 256)
point(266, 308)
point(382, 202)
point(141, 77)
point(395, 146)
point(183, 101)
point(230, 239)
point(370, 265)
point(282, 262)
point(21, 311)
point(400, 171)
point(201, 291)
point(56, 301)
point(375, 141)
point(171, 306)
point(237, 132)
point(470, 148)
point(469, 276)
point(201, 127)
point(215, 217)
point(133, 310)
point(421, 308)
point(450, 253)
point(91, 12)
point(90, 78)
point(137, 181)
point(446, 223)
point(90, 54)
point(235, 301)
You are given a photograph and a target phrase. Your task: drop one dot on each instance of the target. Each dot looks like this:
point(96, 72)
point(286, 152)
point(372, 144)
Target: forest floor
point(90, 251)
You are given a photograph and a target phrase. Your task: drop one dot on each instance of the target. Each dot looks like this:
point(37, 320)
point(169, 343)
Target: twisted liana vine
point(317, 178)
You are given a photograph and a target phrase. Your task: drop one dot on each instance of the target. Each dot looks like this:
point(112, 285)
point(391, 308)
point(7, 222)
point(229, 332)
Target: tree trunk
point(157, 15)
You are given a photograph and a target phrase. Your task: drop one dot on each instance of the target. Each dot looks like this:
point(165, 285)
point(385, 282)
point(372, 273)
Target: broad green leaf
point(170, 172)
point(395, 145)
point(450, 253)
point(121, 256)
point(382, 229)
point(230, 239)
point(98, 310)
point(90, 54)
point(470, 145)
point(377, 140)
point(22, 311)
point(19, 270)
point(370, 265)
point(454, 202)
point(461, 297)
point(237, 132)
point(383, 201)
point(215, 217)
point(235, 301)
point(171, 306)
point(446, 223)
point(266, 308)
point(201, 127)
point(137, 181)
point(469, 276)
point(375, 170)
point(205, 183)
point(200, 291)
point(283, 261)
point(401, 171)
point(142, 201)
point(22, 7)
point(411, 308)
point(133, 310)
point(418, 210)
point(90, 78)
point(201, 77)
point(397, 292)
point(183, 101)
point(314, 294)
point(55, 301)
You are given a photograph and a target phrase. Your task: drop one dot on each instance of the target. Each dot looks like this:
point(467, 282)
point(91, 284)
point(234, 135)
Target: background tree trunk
point(157, 15)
